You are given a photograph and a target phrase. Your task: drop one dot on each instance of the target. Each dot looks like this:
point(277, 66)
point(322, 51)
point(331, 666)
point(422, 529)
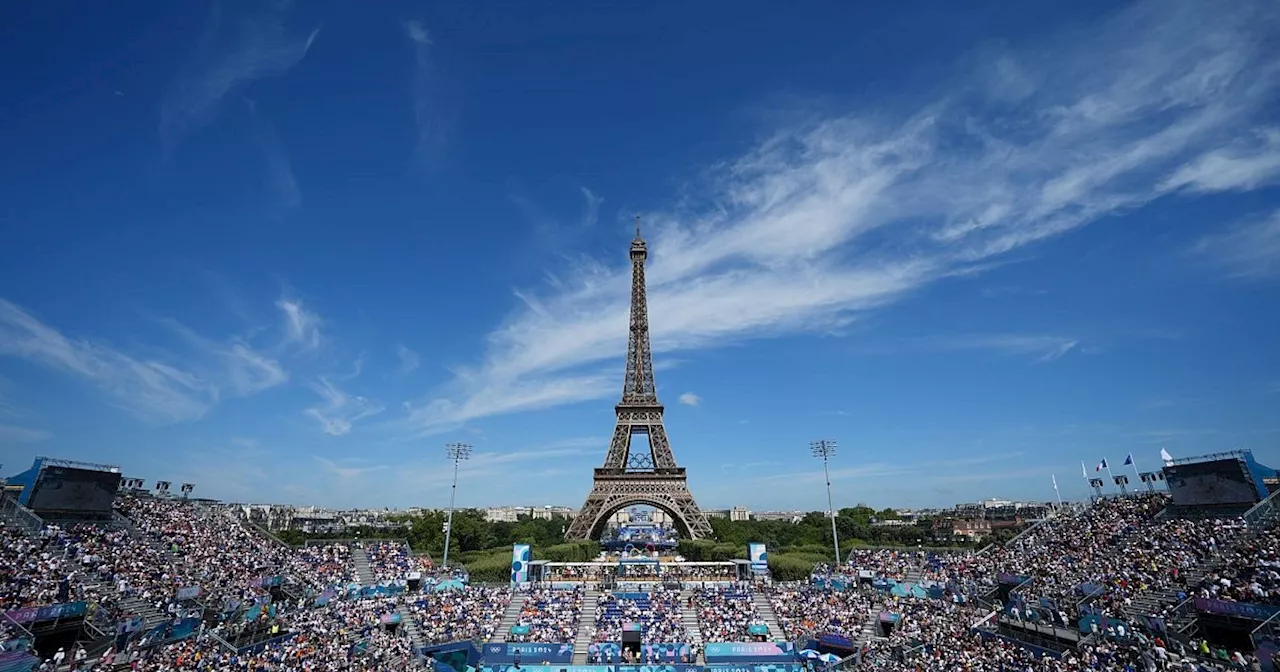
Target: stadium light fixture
point(824, 449)
point(456, 452)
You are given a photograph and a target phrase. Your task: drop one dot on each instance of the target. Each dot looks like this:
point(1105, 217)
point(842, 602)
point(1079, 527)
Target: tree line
point(794, 547)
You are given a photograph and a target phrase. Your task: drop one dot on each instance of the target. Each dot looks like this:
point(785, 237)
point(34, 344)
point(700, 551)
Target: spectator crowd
point(1100, 561)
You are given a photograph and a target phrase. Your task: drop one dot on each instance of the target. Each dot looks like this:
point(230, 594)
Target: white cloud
point(833, 217)
point(340, 411)
point(232, 52)
point(280, 177)
point(418, 33)
point(345, 471)
point(1248, 251)
point(409, 360)
point(1247, 165)
point(12, 434)
point(159, 391)
point(148, 388)
point(690, 399)
point(433, 109)
point(493, 466)
point(1044, 348)
point(590, 207)
point(300, 325)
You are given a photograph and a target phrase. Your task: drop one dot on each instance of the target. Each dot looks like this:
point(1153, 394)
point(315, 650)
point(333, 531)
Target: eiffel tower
point(642, 477)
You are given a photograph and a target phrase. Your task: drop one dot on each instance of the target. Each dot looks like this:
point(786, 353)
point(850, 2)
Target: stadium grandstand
point(99, 573)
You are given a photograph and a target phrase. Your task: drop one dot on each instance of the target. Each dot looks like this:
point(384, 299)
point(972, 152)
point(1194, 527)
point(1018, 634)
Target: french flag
point(1101, 465)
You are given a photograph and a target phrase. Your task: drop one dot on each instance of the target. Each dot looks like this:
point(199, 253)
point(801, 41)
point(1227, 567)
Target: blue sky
point(288, 252)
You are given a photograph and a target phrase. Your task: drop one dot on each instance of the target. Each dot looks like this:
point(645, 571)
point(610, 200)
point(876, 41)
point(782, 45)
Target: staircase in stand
point(689, 617)
point(509, 618)
point(364, 571)
point(1154, 602)
point(586, 621)
point(765, 608)
point(410, 625)
point(868, 630)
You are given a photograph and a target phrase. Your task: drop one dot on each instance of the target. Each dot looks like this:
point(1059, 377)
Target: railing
point(1034, 526)
point(985, 619)
point(20, 515)
point(18, 629)
point(1263, 511)
point(1270, 628)
point(265, 532)
point(1017, 590)
point(217, 638)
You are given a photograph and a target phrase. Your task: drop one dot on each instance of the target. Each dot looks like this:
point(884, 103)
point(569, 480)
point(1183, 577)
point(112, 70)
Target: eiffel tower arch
point(642, 477)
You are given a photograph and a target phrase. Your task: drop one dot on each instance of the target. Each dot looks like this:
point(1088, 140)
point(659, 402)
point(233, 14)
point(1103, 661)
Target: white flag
point(1055, 481)
point(1164, 455)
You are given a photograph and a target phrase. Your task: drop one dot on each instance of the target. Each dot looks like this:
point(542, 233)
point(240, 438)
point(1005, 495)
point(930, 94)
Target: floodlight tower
point(456, 452)
point(824, 449)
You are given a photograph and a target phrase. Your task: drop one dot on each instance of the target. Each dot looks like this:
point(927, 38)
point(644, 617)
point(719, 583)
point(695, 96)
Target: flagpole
point(1113, 476)
point(1056, 491)
point(1134, 463)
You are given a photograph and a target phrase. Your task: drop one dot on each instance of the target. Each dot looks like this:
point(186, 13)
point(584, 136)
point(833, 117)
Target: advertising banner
point(659, 668)
point(1257, 612)
point(666, 652)
point(607, 652)
point(759, 558)
point(772, 667)
point(530, 652)
point(520, 557)
point(48, 612)
point(548, 668)
point(748, 652)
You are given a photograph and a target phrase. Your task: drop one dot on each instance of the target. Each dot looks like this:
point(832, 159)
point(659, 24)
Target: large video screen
point(79, 490)
point(1209, 483)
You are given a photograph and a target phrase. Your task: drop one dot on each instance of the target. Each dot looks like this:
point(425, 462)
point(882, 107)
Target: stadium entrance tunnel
point(602, 519)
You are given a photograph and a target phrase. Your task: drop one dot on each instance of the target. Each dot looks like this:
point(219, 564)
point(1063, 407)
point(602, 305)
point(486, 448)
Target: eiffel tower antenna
point(642, 477)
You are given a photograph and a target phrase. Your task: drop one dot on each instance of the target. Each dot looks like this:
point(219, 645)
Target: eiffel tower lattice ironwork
point(639, 477)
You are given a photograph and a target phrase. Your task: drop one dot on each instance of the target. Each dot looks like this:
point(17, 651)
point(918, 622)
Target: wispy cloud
point(690, 399)
point(1043, 348)
point(494, 465)
point(160, 391)
point(340, 410)
point(301, 326)
point(835, 216)
point(442, 415)
point(1248, 251)
point(409, 360)
point(232, 52)
point(280, 177)
point(346, 471)
point(12, 434)
point(1252, 162)
point(590, 207)
point(433, 112)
